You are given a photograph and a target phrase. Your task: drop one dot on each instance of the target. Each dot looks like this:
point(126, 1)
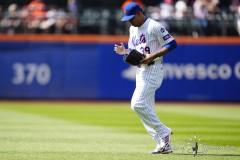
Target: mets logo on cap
point(125, 12)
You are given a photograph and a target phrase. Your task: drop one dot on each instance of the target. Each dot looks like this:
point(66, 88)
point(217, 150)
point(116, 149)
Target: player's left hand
point(149, 58)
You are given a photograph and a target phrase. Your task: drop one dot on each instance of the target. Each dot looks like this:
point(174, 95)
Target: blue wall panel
point(93, 71)
point(208, 72)
point(72, 67)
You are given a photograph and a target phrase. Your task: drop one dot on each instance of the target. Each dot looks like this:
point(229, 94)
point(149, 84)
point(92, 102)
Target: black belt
point(151, 63)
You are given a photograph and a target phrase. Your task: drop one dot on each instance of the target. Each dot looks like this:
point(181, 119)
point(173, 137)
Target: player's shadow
point(201, 154)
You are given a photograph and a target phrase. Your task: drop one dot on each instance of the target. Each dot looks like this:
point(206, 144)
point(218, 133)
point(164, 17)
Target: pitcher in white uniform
point(151, 38)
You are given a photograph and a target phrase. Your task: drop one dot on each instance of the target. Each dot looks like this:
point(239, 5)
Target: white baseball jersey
point(149, 38)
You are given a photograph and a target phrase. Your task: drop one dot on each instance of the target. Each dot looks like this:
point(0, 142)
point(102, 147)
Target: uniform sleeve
point(162, 34)
point(171, 45)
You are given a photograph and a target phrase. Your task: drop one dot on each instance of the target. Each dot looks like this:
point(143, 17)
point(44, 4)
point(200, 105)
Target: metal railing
point(107, 21)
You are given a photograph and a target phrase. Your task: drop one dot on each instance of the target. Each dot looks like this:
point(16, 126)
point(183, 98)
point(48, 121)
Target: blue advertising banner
point(48, 70)
point(203, 72)
point(196, 72)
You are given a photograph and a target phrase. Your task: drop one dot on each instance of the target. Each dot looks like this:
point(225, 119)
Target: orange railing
point(111, 38)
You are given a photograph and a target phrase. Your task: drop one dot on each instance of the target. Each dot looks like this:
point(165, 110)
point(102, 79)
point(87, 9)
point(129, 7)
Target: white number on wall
point(27, 73)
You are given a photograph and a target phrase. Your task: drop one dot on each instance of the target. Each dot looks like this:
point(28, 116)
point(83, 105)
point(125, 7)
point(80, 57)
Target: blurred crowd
point(207, 17)
point(184, 17)
point(36, 17)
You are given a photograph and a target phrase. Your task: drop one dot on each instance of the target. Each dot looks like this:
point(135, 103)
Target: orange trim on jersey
point(111, 38)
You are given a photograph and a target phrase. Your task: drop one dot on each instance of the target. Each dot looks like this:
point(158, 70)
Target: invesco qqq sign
point(201, 71)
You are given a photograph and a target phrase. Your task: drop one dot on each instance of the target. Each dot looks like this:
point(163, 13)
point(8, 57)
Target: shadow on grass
point(205, 154)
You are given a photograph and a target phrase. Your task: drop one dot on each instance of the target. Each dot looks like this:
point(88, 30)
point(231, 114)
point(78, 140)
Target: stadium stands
point(181, 17)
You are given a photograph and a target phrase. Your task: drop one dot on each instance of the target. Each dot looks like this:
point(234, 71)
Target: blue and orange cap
point(130, 11)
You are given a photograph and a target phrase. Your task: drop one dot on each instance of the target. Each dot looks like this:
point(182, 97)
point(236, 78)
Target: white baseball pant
point(148, 80)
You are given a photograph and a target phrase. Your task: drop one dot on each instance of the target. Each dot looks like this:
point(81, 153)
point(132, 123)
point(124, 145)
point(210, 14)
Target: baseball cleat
point(165, 147)
point(162, 150)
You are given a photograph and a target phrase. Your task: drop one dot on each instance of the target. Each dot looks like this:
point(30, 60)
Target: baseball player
point(151, 38)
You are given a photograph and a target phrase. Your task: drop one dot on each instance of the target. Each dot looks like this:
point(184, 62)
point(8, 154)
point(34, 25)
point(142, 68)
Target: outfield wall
point(86, 67)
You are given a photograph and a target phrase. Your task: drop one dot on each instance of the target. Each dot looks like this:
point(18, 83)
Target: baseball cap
point(130, 11)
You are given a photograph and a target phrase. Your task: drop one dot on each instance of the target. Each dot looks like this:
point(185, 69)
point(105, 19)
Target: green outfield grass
point(112, 131)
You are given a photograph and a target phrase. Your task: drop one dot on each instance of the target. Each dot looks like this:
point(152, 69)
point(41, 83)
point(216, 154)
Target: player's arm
point(166, 49)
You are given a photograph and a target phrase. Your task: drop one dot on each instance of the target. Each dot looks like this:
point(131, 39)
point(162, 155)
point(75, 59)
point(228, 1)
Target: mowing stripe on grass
point(28, 136)
point(57, 131)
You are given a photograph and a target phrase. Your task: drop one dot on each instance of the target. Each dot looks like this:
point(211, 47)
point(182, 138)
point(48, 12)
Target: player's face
point(135, 21)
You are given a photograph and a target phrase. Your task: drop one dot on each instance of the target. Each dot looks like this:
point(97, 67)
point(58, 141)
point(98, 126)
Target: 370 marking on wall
point(28, 73)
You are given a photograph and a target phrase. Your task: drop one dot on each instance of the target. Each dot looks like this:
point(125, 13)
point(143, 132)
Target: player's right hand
point(120, 49)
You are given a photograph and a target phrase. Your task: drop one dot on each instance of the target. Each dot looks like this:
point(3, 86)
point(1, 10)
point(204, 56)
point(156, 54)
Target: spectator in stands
point(166, 9)
point(238, 20)
point(24, 17)
point(235, 8)
point(0, 12)
point(224, 5)
point(73, 7)
point(139, 2)
point(48, 25)
point(214, 16)
point(234, 5)
point(181, 9)
point(37, 8)
point(200, 12)
point(10, 23)
point(24, 12)
point(37, 13)
point(163, 11)
point(181, 18)
point(206, 14)
point(213, 5)
point(65, 23)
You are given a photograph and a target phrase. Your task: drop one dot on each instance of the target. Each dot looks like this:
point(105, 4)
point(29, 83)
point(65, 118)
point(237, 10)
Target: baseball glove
point(134, 57)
